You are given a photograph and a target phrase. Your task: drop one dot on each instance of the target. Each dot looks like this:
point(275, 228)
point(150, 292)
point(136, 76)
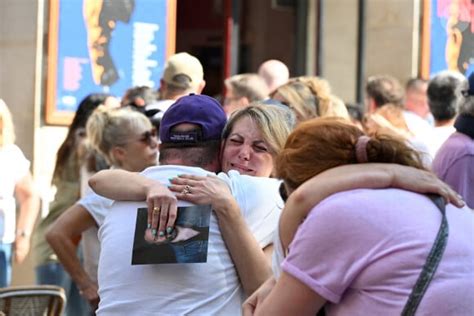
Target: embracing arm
point(63, 237)
point(121, 185)
point(350, 177)
point(287, 296)
point(29, 207)
point(253, 266)
point(250, 260)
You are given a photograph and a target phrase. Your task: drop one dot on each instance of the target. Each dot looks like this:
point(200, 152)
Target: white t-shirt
point(161, 105)
point(438, 137)
point(13, 167)
point(210, 288)
point(278, 254)
point(418, 126)
point(97, 206)
point(423, 150)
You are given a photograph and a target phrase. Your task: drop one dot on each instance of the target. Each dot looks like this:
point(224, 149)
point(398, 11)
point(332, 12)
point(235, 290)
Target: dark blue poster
point(452, 36)
point(105, 46)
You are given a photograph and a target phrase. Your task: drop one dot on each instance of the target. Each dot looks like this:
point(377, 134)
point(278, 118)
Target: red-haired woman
point(361, 251)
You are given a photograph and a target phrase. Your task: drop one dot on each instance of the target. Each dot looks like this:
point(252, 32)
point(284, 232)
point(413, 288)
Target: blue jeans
point(192, 250)
point(193, 217)
point(5, 264)
point(53, 273)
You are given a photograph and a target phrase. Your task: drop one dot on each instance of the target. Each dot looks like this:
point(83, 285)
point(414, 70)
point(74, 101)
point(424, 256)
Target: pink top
point(363, 250)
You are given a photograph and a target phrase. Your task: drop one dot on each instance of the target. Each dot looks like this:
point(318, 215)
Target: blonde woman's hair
point(311, 97)
point(337, 108)
point(7, 131)
point(274, 123)
point(394, 114)
point(320, 88)
point(299, 98)
point(248, 85)
point(107, 128)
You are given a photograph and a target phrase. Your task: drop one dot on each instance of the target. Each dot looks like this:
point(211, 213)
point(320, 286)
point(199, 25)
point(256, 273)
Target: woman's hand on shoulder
point(162, 209)
point(203, 190)
point(422, 181)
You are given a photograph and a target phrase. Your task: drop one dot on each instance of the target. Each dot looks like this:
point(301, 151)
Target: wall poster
point(448, 36)
point(104, 46)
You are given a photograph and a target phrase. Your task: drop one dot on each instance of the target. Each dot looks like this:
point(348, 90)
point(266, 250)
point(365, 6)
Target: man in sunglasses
point(190, 133)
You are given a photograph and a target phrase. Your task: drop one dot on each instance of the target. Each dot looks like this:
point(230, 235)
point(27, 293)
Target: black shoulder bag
point(432, 262)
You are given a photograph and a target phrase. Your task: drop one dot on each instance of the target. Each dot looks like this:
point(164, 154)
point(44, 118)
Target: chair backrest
point(37, 300)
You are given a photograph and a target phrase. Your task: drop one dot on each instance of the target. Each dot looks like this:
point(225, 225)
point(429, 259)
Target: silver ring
point(186, 190)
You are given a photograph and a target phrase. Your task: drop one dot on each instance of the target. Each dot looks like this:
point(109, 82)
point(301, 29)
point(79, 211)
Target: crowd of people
point(316, 204)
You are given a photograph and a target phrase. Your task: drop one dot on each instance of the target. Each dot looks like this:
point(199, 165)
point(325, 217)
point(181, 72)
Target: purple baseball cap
point(198, 109)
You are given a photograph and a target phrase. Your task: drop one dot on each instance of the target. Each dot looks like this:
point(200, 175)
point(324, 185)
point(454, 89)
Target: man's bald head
point(275, 73)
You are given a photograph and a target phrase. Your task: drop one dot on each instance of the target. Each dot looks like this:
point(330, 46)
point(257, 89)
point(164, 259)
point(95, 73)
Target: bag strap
point(432, 262)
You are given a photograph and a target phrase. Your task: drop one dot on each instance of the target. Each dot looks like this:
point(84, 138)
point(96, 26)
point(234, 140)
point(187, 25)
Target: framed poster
point(104, 46)
point(447, 36)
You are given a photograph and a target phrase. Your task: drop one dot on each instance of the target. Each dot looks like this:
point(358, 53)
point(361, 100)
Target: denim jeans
point(53, 273)
point(193, 250)
point(193, 216)
point(5, 264)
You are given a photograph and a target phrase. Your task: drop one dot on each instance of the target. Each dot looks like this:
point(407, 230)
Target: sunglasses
point(147, 136)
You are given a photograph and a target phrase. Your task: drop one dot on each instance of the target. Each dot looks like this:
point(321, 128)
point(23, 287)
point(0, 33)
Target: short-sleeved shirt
point(211, 288)
point(363, 251)
point(454, 164)
point(13, 167)
point(97, 206)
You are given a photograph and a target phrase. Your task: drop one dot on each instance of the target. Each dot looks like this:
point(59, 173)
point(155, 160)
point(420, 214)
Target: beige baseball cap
point(183, 64)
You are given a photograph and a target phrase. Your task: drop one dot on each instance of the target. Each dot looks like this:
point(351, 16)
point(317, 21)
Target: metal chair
point(36, 300)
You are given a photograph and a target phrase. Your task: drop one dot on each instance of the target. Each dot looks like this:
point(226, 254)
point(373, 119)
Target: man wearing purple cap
point(190, 133)
point(454, 162)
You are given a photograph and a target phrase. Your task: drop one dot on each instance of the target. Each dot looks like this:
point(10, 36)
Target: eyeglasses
point(147, 136)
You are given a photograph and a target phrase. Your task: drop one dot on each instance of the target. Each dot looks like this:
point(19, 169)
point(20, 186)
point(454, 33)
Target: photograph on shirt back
point(187, 243)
